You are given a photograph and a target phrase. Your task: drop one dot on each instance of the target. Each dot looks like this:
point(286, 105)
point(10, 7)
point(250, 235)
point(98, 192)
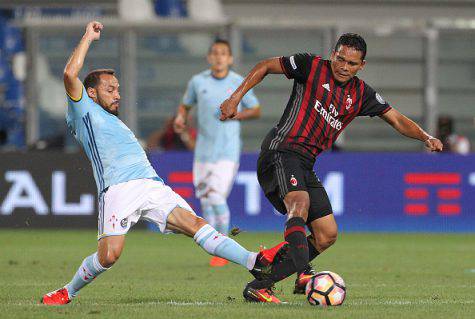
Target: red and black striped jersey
point(319, 107)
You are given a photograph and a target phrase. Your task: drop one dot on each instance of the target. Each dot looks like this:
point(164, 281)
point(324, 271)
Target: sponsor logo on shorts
point(123, 223)
point(293, 181)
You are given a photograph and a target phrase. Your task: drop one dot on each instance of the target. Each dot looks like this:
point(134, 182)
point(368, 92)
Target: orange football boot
point(216, 261)
point(56, 298)
point(302, 279)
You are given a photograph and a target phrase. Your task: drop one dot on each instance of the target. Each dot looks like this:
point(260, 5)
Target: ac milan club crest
point(293, 181)
point(349, 102)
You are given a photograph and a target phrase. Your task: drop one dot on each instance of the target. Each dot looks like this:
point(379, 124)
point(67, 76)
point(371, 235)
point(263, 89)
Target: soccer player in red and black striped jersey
point(327, 95)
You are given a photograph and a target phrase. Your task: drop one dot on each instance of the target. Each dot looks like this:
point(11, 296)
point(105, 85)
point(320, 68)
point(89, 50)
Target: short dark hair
point(354, 41)
point(93, 77)
point(221, 41)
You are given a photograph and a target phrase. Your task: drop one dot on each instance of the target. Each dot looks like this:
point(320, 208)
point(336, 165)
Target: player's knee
point(298, 209)
point(216, 198)
point(330, 240)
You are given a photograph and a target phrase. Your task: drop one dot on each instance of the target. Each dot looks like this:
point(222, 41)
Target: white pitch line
point(195, 303)
point(348, 303)
point(407, 302)
point(211, 303)
point(373, 286)
point(415, 286)
point(135, 304)
point(163, 303)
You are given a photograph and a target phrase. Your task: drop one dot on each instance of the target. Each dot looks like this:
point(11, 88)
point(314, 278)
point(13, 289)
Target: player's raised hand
point(228, 109)
point(93, 30)
point(434, 144)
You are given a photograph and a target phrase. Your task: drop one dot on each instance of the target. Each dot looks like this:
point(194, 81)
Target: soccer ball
point(325, 289)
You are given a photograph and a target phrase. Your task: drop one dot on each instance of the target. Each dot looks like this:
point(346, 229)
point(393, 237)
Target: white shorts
point(124, 204)
point(217, 177)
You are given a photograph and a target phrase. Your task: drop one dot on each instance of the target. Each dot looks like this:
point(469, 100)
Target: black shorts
point(280, 173)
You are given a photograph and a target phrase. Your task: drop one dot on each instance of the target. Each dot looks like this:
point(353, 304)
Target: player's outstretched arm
point(409, 128)
point(72, 84)
point(257, 74)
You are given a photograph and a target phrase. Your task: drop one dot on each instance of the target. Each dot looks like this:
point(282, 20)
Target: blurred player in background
point(453, 142)
point(166, 139)
point(326, 97)
point(129, 188)
point(218, 145)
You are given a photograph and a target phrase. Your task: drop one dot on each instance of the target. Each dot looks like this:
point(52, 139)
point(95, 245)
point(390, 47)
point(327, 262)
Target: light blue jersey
point(115, 154)
point(217, 140)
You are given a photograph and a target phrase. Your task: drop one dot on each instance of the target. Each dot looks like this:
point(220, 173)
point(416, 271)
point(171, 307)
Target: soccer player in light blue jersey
point(218, 144)
point(129, 188)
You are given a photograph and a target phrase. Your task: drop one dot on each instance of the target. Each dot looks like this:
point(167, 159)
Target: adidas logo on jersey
point(326, 86)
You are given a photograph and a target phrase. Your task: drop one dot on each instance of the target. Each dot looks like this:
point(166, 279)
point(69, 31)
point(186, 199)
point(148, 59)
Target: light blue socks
point(89, 269)
point(222, 246)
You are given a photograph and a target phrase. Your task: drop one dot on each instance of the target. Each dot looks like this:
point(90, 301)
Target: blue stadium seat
point(170, 8)
point(5, 70)
point(12, 109)
point(14, 91)
point(11, 40)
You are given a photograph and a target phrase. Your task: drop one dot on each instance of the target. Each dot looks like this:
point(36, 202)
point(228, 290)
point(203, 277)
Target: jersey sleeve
point(297, 66)
point(189, 98)
point(373, 104)
point(79, 107)
point(250, 100)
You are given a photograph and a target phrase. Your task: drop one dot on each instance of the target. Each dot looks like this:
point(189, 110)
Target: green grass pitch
point(387, 276)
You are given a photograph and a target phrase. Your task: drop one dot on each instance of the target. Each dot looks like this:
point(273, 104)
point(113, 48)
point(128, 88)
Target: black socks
point(287, 266)
point(312, 250)
point(296, 236)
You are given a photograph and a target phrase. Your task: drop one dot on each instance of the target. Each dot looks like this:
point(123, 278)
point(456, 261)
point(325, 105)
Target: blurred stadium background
point(421, 58)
